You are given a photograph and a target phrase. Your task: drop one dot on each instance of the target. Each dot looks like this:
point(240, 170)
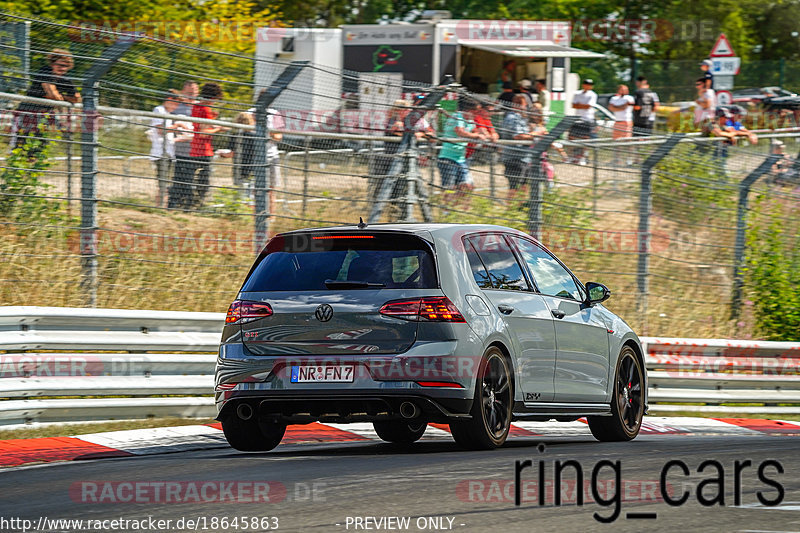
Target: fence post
point(645, 206)
point(741, 227)
point(595, 162)
point(542, 144)
point(260, 162)
point(409, 141)
point(410, 198)
point(492, 162)
point(89, 143)
point(306, 175)
point(68, 150)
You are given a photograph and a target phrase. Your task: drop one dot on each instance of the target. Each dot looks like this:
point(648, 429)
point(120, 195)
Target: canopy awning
point(528, 49)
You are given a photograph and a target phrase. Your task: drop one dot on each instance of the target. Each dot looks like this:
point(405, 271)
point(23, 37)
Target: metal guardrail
point(72, 364)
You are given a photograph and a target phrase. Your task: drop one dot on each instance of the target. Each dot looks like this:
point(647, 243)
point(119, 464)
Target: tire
point(400, 431)
point(251, 435)
point(491, 408)
point(627, 402)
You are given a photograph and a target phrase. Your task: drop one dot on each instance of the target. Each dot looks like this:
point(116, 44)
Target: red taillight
point(433, 309)
point(447, 384)
point(242, 311)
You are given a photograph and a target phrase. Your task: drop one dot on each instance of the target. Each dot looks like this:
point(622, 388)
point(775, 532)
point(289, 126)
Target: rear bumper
point(381, 383)
point(351, 405)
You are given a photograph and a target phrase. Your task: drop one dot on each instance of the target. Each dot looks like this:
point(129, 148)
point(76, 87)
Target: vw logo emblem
point(324, 312)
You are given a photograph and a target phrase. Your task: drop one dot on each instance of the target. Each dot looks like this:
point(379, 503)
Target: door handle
point(558, 313)
point(505, 309)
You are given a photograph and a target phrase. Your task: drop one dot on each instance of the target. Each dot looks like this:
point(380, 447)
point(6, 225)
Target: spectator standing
point(704, 104)
point(516, 159)
point(708, 77)
point(180, 192)
point(645, 105)
point(50, 82)
point(543, 97)
point(202, 149)
point(584, 102)
point(621, 104)
point(162, 143)
point(274, 178)
point(452, 160)
point(506, 74)
point(242, 148)
point(539, 130)
point(505, 98)
point(525, 87)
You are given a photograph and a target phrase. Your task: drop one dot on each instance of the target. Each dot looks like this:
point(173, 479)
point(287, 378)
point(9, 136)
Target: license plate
point(323, 374)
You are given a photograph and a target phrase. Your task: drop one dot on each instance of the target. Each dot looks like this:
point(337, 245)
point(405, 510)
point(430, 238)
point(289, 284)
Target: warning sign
point(722, 48)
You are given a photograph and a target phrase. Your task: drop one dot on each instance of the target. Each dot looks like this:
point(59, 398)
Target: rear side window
point(478, 268)
point(502, 267)
point(304, 262)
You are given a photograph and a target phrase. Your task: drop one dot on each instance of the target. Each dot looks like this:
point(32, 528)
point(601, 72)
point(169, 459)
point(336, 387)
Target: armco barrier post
point(261, 165)
point(645, 206)
point(535, 219)
point(741, 227)
point(89, 143)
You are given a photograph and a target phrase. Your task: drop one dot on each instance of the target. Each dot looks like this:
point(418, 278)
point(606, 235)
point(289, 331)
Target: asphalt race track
point(431, 486)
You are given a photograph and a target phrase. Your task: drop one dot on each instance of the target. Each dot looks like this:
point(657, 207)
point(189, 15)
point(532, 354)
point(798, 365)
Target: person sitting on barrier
point(720, 128)
point(735, 122)
point(50, 82)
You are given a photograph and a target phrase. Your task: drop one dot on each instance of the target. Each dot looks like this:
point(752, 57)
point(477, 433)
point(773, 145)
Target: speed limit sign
point(724, 98)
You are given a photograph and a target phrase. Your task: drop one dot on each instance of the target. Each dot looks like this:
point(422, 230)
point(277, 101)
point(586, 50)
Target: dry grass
point(41, 266)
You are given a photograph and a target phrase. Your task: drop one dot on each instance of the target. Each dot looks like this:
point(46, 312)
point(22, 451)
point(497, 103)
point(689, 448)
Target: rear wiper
point(334, 284)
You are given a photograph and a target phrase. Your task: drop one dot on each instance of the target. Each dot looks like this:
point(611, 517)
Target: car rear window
point(304, 262)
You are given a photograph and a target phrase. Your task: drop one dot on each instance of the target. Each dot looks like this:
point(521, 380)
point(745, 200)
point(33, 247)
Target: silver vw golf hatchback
point(401, 325)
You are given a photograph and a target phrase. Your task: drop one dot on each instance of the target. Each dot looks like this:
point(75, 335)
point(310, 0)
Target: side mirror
point(597, 293)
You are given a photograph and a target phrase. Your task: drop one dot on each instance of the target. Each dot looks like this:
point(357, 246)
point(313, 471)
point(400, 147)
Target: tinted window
point(503, 270)
point(304, 263)
point(550, 277)
point(478, 269)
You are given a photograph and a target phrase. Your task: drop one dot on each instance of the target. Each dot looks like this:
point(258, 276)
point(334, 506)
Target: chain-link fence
point(157, 189)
